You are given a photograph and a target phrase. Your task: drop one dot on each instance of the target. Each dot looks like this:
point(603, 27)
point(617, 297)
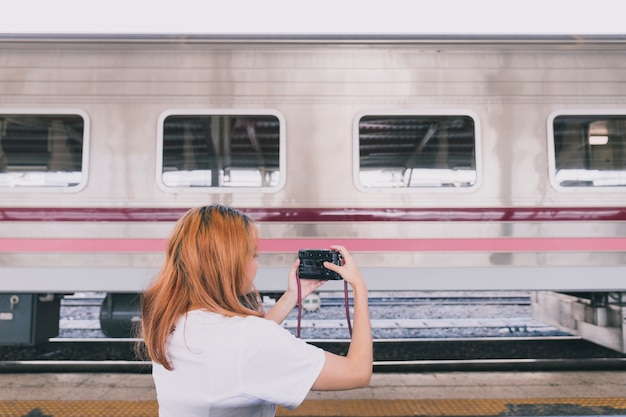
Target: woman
point(214, 352)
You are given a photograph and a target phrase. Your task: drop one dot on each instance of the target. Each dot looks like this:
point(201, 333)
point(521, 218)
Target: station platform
point(448, 394)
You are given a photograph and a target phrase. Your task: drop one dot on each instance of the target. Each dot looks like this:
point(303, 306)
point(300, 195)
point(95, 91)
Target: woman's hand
point(289, 299)
point(307, 286)
point(348, 270)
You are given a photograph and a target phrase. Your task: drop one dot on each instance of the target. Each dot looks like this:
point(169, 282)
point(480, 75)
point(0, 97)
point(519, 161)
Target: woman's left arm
point(289, 299)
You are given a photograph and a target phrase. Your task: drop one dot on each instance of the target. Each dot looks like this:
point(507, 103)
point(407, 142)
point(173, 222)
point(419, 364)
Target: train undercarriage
point(31, 319)
point(599, 317)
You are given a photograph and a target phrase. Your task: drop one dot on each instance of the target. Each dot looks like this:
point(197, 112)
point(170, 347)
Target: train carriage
point(442, 163)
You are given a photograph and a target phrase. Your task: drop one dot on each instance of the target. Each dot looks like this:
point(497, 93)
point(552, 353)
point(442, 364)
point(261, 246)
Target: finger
point(294, 267)
point(338, 248)
point(332, 266)
point(341, 249)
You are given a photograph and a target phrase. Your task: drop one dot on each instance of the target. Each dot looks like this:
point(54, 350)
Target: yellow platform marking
point(438, 408)
point(79, 408)
point(310, 408)
point(376, 408)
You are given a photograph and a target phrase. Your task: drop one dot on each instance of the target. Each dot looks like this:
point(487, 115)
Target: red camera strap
point(346, 303)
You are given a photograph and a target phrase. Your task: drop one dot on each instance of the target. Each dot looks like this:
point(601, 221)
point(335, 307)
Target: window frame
point(552, 174)
point(356, 162)
point(85, 168)
point(282, 157)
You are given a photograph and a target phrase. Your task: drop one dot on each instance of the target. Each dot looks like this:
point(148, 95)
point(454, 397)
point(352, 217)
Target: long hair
point(206, 259)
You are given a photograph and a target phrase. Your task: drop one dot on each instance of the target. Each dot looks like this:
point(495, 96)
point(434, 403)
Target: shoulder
point(249, 327)
point(261, 333)
point(267, 330)
point(253, 324)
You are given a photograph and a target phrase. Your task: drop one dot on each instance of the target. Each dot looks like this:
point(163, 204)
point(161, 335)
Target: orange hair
point(205, 264)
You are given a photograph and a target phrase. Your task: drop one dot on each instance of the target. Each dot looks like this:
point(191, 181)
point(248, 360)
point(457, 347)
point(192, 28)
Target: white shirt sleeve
point(275, 365)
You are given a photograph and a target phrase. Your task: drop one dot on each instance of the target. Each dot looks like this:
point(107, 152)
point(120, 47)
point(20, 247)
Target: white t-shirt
point(234, 366)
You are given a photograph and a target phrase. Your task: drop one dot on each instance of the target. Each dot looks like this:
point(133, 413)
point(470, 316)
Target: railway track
point(399, 315)
point(505, 324)
point(455, 331)
point(432, 355)
point(441, 300)
point(375, 300)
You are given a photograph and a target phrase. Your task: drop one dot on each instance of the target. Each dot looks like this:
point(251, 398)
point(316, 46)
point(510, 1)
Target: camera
point(312, 264)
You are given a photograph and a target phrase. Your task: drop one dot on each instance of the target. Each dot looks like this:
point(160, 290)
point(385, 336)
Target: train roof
point(316, 38)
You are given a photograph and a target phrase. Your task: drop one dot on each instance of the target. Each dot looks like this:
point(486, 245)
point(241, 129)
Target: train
point(443, 163)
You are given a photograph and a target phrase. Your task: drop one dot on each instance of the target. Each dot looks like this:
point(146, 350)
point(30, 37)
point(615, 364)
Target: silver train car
point(442, 163)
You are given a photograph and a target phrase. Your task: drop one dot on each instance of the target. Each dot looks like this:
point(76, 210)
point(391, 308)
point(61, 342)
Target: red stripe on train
point(356, 245)
point(295, 215)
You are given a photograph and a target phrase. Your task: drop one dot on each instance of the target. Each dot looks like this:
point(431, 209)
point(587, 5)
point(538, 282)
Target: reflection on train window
point(221, 151)
point(589, 150)
point(39, 150)
point(417, 151)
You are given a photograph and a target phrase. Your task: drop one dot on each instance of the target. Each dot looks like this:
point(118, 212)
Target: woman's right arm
point(355, 369)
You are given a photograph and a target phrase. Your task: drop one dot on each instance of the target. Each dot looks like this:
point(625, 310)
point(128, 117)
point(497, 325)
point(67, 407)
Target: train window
point(208, 151)
point(42, 151)
point(587, 150)
point(416, 151)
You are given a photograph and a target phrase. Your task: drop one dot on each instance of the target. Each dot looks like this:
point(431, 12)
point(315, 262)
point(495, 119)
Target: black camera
point(312, 264)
